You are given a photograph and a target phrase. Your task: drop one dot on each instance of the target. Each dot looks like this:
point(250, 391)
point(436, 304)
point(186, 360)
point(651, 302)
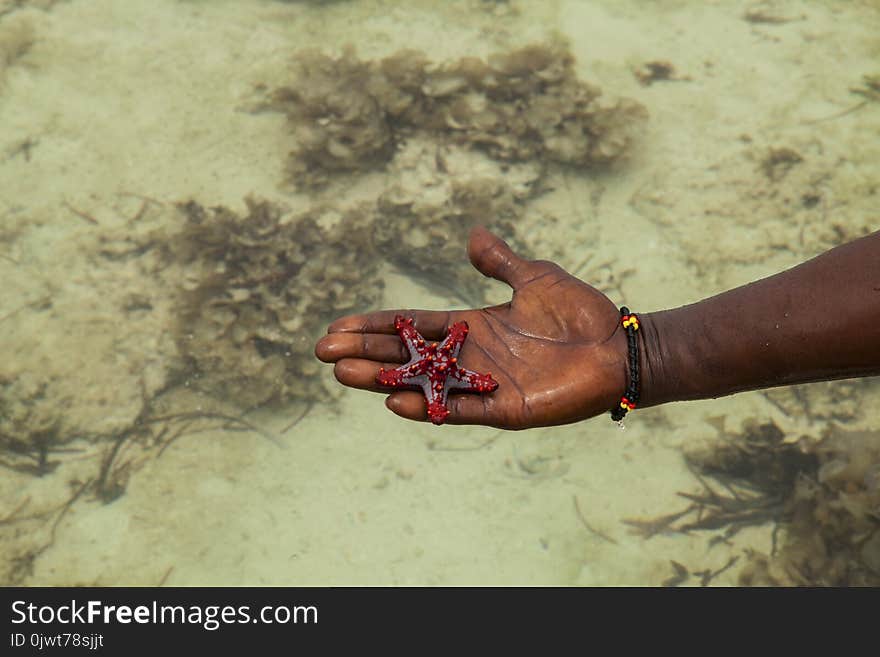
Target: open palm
point(556, 349)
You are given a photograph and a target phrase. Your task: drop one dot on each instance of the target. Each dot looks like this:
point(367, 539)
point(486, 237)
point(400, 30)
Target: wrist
point(655, 385)
point(680, 357)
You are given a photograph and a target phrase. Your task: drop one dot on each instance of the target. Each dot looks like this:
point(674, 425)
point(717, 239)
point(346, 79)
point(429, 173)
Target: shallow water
point(756, 155)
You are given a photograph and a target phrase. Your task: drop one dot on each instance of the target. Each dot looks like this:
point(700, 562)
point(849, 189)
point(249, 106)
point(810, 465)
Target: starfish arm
point(436, 393)
point(414, 342)
point(410, 374)
point(437, 412)
point(455, 338)
point(465, 379)
point(392, 378)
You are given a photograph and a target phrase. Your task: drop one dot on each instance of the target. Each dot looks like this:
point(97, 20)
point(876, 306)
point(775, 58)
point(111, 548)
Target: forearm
point(817, 321)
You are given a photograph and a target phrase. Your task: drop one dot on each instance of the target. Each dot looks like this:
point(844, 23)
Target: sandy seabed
point(110, 110)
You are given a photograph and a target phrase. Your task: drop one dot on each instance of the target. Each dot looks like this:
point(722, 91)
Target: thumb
point(494, 258)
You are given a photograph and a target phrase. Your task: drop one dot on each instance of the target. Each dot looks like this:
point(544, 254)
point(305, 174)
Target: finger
point(408, 404)
point(494, 258)
point(360, 373)
point(371, 346)
point(430, 323)
point(463, 409)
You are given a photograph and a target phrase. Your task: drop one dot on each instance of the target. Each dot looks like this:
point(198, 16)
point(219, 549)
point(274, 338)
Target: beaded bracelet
point(631, 397)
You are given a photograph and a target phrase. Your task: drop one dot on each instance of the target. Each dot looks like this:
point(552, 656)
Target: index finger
point(430, 323)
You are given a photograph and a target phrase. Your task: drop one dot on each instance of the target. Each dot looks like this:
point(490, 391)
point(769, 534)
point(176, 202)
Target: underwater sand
point(104, 104)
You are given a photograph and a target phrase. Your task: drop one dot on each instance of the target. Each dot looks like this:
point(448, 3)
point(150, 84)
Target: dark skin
point(559, 353)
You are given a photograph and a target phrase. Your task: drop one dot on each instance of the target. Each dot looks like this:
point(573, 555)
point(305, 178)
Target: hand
point(557, 348)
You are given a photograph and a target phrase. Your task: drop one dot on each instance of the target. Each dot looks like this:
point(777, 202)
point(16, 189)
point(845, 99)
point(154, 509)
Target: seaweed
point(27, 532)
point(779, 161)
point(658, 71)
point(347, 114)
point(20, 564)
point(258, 289)
point(822, 498)
point(755, 469)
point(833, 531)
point(869, 91)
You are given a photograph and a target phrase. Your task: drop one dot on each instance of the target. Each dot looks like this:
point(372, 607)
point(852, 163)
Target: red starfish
point(434, 367)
